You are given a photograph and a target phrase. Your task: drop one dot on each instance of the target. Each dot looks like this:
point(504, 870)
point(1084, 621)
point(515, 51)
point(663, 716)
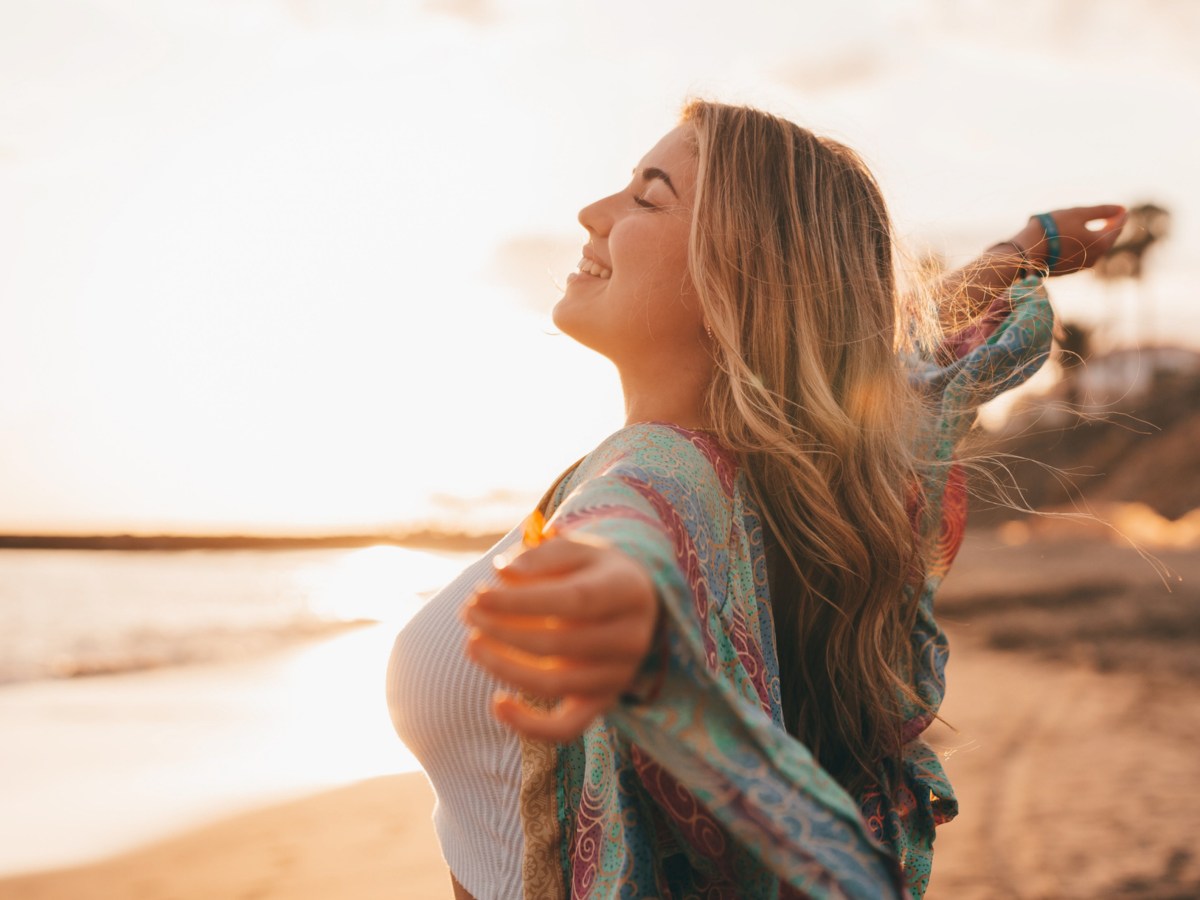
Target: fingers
point(548, 676)
point(1103, 225)
point(565, 722)
point(1080, 214)
point(1104, 211)
point(575, 582)
point(1100, 229)
point(591, 596)
point(610, 639)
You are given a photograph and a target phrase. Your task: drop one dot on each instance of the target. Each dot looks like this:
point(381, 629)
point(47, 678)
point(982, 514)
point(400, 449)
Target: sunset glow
point(259, 277)
point(278, 365)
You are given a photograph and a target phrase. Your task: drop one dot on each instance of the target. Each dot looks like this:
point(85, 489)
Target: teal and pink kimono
point(701, 792)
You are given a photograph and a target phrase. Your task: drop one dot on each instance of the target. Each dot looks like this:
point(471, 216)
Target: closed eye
point(642, 203)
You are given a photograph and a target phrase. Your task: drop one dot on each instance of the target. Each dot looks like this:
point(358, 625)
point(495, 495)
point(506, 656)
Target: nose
point(597, 217)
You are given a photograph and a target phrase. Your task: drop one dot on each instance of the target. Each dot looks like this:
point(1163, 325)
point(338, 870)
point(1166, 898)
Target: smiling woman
point(633, 299)
point(709, 673)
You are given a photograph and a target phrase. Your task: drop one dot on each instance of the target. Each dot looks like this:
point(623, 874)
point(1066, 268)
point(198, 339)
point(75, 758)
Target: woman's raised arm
point(974, 298)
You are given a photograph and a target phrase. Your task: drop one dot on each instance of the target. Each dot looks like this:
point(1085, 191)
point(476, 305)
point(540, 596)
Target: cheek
point(671, 282)
point(652, 261)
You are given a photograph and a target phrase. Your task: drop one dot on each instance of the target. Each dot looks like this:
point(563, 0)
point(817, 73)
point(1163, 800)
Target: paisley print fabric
point(701, 792)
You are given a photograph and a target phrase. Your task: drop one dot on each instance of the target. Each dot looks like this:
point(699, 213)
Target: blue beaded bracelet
point(1052, 243)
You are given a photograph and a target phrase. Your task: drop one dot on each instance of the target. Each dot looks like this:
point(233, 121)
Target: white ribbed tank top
point(440, 704)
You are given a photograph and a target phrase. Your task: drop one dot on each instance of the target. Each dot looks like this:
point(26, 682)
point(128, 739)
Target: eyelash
point(642, 203)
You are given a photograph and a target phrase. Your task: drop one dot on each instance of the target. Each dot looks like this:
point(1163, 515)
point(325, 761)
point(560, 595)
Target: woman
point(720, 652)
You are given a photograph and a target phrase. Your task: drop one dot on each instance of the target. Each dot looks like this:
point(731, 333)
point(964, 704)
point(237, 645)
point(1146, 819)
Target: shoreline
point(423, 539)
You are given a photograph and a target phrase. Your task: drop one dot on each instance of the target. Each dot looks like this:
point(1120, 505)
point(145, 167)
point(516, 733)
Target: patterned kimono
point(700, 792)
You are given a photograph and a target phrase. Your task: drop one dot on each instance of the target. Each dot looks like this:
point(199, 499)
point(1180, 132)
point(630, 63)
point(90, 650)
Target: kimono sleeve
point(782, 820)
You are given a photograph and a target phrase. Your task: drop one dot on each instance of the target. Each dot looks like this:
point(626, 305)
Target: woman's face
point(633, 296)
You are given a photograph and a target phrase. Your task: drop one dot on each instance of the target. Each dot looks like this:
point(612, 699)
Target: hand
point(1079, 246)
point(571, 619)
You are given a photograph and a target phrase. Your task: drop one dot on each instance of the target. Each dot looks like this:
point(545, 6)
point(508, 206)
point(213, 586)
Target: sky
point(287, 267)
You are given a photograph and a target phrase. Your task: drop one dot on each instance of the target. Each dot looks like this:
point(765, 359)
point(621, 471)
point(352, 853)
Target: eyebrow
point(651, 172)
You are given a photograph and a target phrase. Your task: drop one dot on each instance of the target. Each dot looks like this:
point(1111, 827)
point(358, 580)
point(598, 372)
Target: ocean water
point(72, 613)
point(152, 746)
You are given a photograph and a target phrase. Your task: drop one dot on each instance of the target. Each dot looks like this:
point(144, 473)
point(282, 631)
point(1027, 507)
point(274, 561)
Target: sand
point(1076, 759)
point(373, 839)
point(1072, 783)
point(1077, 769)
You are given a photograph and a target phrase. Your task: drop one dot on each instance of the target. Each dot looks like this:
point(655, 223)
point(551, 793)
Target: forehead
point(675, 154)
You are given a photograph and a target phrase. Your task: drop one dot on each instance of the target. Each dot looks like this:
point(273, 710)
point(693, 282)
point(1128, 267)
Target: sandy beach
point(371, 840)
point(1075, 763)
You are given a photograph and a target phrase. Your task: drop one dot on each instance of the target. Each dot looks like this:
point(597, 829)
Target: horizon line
point(426, 538)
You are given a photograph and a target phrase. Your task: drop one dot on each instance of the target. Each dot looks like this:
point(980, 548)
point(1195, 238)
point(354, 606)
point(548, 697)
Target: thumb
point(555, 556)
point(564, 723)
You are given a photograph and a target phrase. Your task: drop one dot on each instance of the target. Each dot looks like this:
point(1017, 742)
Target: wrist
point(1032, 239)
point(1010, 261)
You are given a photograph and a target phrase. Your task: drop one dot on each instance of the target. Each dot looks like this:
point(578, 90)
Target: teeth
point(590, 268)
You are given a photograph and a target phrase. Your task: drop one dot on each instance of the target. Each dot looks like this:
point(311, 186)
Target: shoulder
point(663, 456)
point(682, 474)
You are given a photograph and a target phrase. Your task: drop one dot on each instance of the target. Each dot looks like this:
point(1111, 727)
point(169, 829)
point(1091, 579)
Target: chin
point(573, 317)
point(566, 314)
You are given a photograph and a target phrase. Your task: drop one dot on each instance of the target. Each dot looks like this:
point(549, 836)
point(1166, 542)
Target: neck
point(676, 397)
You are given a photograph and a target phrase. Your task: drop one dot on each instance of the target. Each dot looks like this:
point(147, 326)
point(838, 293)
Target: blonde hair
point(791, 255)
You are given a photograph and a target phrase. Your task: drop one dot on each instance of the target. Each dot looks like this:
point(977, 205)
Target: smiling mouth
point(587, 267)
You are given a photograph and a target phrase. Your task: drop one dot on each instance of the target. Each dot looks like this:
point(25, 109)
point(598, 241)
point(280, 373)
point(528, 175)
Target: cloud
point(476, 12)
point(535, 266)
point(830, 72)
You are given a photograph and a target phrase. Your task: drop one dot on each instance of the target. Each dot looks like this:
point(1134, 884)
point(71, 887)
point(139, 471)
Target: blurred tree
point(1148, 223)
point(1074, 349)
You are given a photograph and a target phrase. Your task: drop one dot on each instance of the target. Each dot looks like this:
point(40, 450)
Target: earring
point(708, 329)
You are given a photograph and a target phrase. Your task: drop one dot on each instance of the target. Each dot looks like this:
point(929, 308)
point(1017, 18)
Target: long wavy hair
point(791, 255)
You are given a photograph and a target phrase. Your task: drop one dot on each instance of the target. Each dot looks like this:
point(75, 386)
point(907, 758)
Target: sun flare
point(380, 583)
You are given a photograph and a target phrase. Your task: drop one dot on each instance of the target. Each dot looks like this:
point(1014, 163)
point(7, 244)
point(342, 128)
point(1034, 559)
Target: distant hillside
point(1143, 446)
